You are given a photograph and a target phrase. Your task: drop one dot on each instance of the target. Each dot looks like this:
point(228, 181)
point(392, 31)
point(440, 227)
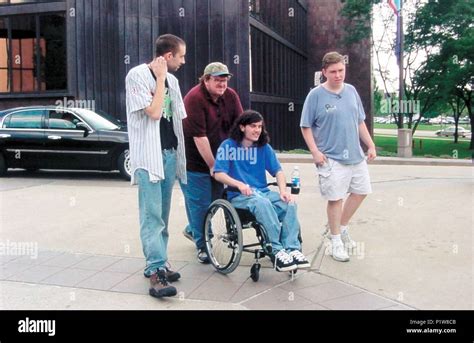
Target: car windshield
point(97, 121)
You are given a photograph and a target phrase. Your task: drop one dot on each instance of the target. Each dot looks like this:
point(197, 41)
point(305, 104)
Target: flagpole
point(404, 148)
point(400, 63)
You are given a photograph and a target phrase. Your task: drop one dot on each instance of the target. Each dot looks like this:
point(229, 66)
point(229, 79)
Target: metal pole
point(400, 65)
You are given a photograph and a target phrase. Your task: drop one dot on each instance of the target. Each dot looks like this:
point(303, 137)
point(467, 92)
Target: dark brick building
point(82, 50)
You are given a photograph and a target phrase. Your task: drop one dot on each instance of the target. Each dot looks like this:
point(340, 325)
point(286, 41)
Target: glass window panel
point(16, 76)
point(23, 52)
point(62, 120)
point(3, 53)
point(4, 84)
point(26, 120)
point(53, 51)
point(26, 1)
point(27, 80)
point(29, 71)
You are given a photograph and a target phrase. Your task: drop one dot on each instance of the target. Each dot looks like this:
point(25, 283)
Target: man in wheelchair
point(241, 163)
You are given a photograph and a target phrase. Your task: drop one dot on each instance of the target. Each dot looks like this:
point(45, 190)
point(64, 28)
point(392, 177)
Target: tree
point(446, 27)
point(416, 88)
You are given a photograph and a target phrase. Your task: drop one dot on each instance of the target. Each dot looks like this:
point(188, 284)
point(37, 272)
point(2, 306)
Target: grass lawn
point(421, 127)
point(387, 146)
point(430, 147)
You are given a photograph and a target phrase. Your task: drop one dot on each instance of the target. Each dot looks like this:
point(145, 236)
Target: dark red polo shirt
point(207, 118)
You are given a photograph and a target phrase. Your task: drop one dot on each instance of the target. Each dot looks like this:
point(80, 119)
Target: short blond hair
point(332, 57)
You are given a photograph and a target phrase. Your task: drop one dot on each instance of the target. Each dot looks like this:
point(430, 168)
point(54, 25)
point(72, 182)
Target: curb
point(414, 161)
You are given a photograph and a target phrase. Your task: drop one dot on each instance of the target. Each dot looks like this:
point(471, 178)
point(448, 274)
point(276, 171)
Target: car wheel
point(3, 165)
point(123, 164)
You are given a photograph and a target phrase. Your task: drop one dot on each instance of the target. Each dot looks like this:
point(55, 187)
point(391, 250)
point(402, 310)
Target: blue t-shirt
point(247, 165)
point(334, 120)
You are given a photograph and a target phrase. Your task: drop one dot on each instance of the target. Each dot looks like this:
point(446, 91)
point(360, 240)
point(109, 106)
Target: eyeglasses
point(221, 79)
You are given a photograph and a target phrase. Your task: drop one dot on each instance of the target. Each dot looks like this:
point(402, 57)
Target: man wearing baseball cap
point(212, 108)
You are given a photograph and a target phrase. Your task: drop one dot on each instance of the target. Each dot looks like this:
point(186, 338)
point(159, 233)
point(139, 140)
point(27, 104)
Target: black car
point(52, 137)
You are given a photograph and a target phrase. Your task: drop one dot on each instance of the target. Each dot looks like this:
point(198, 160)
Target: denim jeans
point(154, 202)
point(200, 191)
point(278, 217)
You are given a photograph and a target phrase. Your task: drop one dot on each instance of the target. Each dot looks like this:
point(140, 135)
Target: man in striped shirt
point(155, 111)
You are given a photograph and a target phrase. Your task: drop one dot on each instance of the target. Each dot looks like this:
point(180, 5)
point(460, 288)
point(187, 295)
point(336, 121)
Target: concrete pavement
point(415, 247)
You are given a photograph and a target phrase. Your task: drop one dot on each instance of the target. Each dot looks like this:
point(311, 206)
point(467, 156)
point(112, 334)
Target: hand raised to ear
point(159, 67)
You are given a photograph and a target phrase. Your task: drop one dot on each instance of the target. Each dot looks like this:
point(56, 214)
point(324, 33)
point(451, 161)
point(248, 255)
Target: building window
point(13, 2)
point(33, 53)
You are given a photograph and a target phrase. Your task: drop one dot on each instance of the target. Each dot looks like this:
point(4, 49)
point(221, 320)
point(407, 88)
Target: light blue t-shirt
point(334, 120)
point(247, 165)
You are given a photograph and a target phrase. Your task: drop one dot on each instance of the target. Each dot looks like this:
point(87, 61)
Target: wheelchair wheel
point(255, 272)
point(223, 235)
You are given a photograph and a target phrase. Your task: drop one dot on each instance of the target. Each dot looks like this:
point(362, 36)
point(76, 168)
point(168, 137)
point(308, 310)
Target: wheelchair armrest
point(294, 190)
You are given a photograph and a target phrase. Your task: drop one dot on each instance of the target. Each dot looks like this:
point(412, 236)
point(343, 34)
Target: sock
point(336, 239)
point(344, 229)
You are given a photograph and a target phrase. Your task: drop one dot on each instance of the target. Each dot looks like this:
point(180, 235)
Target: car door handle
point(54, 138)
point(5, 136)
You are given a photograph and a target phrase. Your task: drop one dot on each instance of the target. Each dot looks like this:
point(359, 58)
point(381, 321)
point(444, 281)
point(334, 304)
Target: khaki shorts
point(336, 179)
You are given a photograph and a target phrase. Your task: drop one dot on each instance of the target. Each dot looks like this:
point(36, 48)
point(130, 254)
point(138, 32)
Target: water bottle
point(295, 180)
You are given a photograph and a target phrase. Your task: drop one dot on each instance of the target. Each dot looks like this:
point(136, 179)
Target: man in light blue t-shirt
point(241, 163)
point(332, 123)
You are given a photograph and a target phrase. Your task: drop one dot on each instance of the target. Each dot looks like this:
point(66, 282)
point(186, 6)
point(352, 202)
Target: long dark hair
point(247, 118)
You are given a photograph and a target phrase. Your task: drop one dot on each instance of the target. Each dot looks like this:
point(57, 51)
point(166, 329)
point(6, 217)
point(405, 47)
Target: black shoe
point(171, 276)
point(159, 285)
point(202, 256)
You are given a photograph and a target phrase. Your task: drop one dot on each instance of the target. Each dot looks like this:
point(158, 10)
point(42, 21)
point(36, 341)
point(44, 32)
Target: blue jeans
point(154, 202)
point(278, 217)
point(200, 191)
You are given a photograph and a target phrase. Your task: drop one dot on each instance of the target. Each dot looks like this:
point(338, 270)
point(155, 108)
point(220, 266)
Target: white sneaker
point(339, 253)
point(284, 262)
point(300, 259)
point(347, 240)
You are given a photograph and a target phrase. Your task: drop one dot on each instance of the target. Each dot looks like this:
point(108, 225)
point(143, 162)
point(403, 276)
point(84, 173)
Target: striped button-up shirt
point(144, 132)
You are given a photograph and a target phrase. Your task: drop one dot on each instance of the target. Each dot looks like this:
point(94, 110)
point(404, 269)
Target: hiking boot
point(171, 276)
point(347, 240)
point(338, 252)
point(159, 285)
point(202, 256)
point(284, 262)
point(300, 259)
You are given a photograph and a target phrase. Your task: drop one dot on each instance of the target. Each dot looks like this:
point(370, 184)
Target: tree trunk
point(471, 145)
point(468, 103)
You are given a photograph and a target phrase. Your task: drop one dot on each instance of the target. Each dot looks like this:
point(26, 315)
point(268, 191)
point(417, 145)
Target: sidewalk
point(83, 281)
point(414, 233)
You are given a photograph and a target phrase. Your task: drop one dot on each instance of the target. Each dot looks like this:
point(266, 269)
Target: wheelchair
point(223, 234)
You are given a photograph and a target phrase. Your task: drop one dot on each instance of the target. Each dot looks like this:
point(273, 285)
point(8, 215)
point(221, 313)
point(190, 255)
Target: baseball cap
point(216, 69)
